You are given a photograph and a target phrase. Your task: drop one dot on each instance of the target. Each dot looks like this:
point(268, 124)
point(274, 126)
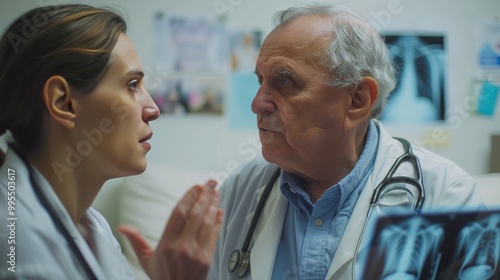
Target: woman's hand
point(185, 250)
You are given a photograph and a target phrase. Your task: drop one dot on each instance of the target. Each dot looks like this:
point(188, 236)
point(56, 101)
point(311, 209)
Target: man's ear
point(363, 97)
point(59, 102)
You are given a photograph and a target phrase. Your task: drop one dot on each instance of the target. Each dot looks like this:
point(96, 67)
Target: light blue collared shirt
point(312, 232)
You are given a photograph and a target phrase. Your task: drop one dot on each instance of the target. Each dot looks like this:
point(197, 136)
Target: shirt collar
point(292, 185)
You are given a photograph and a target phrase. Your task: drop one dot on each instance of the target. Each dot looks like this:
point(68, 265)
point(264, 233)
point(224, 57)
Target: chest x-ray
point(419, 95)
point(442, 246)
point(477, 250)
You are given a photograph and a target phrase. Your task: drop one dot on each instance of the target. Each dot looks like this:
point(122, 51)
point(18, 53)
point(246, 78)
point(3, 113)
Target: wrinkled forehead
point(302, 32)
point(304, 40)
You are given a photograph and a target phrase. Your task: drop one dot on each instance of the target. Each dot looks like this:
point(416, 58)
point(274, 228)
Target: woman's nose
point(150, 111)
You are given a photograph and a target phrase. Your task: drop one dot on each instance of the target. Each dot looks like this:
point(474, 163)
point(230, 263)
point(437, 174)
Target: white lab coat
point(446, 185)
point(41, 250)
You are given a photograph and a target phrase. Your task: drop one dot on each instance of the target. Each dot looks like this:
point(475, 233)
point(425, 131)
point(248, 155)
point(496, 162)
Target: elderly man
point(324, 77)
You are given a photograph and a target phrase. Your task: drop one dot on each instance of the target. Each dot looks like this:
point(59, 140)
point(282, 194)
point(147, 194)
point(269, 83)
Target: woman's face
point(112, 124)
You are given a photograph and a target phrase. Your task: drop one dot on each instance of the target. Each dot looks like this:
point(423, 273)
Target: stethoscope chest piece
point(234, 260)
point(239, 261)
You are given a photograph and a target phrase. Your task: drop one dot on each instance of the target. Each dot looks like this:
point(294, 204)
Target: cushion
point(489, 185)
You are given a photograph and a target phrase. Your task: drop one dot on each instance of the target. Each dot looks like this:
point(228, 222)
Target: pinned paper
point(488, 96)
point(242, 90)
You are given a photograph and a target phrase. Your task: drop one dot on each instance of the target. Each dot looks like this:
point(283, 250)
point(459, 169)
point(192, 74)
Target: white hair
point(356, 50)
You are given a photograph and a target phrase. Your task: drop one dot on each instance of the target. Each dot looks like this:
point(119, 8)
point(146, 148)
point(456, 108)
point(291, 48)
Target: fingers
point(215, 231)
point(181, 211)
point(188, 242)
point(141, 247)
point(203, 214)
point(208, 219)
point(191, 209)
point(211, 184)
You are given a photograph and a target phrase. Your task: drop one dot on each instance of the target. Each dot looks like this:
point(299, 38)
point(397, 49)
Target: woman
point(71, 96)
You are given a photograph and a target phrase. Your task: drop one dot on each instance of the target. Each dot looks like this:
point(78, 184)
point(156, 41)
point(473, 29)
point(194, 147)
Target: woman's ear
point(59, 102)
point(363, 97)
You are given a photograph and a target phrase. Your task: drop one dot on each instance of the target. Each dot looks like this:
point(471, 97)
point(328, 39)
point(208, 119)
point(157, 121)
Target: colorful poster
point(190, 43)
point(242, 89)
point(192, 55)
point(487, 55)
point(487, 100)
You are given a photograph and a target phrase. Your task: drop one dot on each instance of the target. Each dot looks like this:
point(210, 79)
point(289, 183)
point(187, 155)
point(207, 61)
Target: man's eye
point(283, 81)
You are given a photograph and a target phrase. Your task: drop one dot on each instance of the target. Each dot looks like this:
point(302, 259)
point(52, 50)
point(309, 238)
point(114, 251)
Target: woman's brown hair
point(72, 41)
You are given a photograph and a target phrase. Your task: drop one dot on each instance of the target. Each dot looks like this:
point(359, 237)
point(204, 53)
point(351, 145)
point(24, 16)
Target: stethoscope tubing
point(258, 211)
point(385, 186)
point(241, 258)
point(55, 218)
point(390, 179)
point(382, 188)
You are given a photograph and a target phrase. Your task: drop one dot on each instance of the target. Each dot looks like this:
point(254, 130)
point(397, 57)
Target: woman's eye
point(133, 85)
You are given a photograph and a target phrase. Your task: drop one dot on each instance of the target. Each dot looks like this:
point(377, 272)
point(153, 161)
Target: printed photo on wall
point(419, 96)
point(191, 95)
point(190, 43)
point(192, 55)
point(487, 48)
point(244, 46)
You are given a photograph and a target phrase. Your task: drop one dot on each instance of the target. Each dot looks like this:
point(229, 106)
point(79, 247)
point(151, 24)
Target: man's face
point(300, 118)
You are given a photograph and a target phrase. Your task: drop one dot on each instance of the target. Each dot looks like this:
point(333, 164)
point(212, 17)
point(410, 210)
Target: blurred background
point(199, 59)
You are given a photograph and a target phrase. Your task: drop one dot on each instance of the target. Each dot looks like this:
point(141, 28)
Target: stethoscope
point(53, 214)
point(239, 260)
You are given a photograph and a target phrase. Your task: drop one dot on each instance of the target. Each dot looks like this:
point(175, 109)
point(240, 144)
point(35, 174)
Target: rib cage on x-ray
point(419, 94)
point(408, 247)
point(479, 246)
point(446, 246)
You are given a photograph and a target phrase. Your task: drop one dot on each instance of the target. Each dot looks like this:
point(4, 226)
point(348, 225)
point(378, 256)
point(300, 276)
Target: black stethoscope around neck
point(239, 261)
point(53, 214)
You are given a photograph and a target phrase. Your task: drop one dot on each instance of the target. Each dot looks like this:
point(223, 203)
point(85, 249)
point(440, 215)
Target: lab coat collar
point(267, 233)
point(388, 151)
point(12, 159)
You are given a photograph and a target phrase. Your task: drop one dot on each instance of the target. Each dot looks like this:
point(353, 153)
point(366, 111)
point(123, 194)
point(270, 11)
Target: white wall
point(207, 142)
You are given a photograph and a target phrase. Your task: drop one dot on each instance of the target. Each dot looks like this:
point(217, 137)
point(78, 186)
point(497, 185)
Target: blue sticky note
point(488, 96)
point(242, 90)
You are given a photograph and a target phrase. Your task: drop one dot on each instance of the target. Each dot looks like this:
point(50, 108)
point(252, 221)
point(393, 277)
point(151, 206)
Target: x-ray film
point(419, 96)
point(436, 246)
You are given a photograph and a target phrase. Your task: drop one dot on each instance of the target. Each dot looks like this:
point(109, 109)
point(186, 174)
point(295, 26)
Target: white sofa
point(146, 201)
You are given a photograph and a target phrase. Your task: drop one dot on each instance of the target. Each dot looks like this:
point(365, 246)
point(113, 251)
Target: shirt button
point(318, 222)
